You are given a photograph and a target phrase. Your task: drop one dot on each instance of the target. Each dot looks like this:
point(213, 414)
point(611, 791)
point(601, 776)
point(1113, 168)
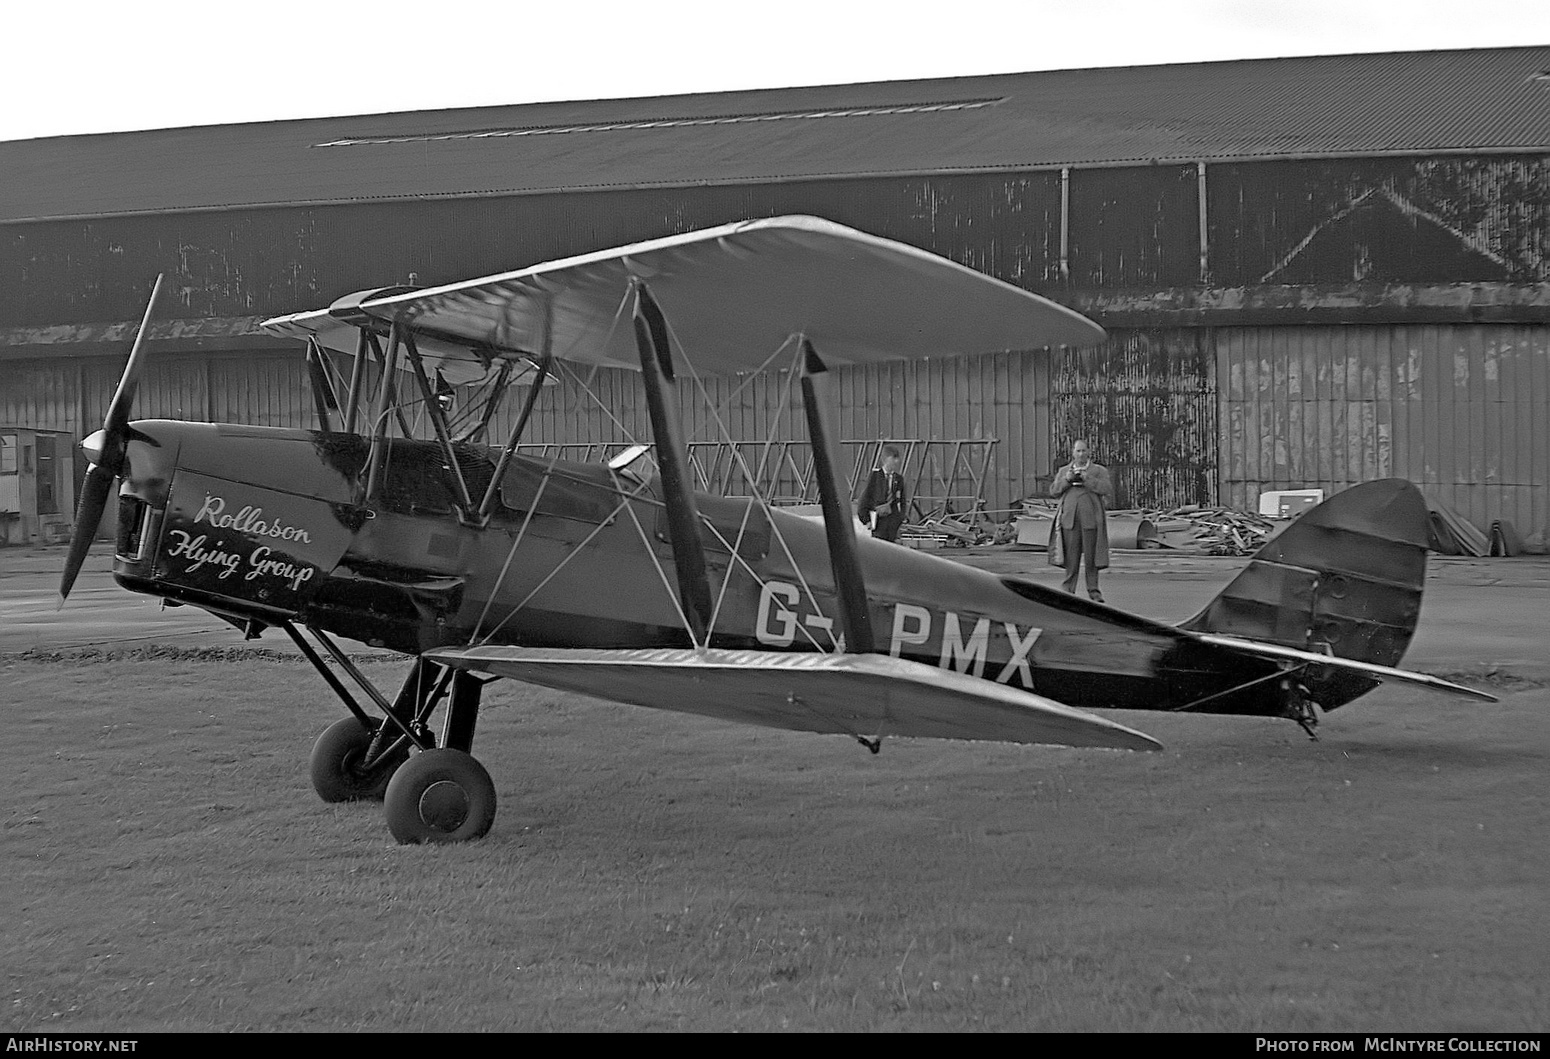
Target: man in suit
point(884, 500)
point(1082, 522)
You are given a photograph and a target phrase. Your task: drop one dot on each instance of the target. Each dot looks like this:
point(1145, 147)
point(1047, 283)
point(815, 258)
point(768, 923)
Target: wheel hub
point(444, 806)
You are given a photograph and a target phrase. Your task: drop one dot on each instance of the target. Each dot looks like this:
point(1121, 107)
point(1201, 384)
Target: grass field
point(168, 867)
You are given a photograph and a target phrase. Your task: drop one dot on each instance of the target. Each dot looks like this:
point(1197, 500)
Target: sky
point(94, 66)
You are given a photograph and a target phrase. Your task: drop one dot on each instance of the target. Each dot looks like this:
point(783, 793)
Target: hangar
point(1314, 271)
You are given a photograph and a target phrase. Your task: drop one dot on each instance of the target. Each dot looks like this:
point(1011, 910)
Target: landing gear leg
point(430, 793)
point(462, 711)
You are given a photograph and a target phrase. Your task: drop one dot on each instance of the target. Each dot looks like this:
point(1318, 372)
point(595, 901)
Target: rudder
point(1345, 578)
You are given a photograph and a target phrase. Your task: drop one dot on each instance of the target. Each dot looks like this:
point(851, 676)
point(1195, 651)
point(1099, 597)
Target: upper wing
point(733, 295)
point(338, 328)
point(841, 694)
point(327, 329)
point(1369, 669)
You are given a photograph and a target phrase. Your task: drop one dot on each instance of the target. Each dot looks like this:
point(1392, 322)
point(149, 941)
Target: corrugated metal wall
point(73, 394)
point(44, 394)
point(1135, 227)
point(1401, 220)
point(1404, 220)
point(1463, 411)
point(1002, 396)
point(272, 261)
point(1146, 403)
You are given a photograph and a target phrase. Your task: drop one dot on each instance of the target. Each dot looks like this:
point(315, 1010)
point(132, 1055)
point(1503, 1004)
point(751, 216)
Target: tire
point(440, 795)
point(336, 758)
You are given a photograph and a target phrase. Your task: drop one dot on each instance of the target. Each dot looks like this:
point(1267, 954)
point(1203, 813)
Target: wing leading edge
point(841, 694)
point(733, 296)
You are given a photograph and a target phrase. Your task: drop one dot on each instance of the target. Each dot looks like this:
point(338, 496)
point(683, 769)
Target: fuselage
point(267, 525)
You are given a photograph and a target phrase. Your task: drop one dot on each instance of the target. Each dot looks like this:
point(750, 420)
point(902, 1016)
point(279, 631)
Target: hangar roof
point(1470, 101)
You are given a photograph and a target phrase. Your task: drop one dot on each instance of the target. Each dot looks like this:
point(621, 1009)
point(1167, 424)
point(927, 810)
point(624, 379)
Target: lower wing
point(861, 695)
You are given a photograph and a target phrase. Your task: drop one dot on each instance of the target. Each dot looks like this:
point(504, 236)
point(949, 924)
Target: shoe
point(1097, 597)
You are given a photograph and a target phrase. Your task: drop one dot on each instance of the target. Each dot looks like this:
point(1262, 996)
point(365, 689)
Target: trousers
point(1078, 542)
point(888, 527)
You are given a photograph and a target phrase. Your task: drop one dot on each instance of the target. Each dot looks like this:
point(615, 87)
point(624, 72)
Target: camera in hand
point(1076, 477)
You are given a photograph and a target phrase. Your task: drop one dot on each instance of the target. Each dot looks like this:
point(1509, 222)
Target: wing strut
point(357, 374)
point(438, 422)
point(386, 403)
point(487, 504)
point(475, 434)
point(837, 515)
point(323, 397)
point(683, 515)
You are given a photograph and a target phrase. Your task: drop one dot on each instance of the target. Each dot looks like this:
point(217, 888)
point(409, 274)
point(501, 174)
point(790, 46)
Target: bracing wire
point(791, 381)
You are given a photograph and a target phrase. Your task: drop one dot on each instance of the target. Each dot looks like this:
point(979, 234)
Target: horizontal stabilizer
point(1371, 669)
point(841, 694)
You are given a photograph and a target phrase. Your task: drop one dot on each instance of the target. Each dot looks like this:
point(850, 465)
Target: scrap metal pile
point(1212, 530)
point(1226, 531)
point(1193, 528)
point(949, 531)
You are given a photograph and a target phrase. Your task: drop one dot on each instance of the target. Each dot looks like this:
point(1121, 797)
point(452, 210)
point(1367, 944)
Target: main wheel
point(440, 795)
point(336, 760)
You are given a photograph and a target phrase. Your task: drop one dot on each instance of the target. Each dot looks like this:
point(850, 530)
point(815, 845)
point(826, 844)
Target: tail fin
point(1345, 578)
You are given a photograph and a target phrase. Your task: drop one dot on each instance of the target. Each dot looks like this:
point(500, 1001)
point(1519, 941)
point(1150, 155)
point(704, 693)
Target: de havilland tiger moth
point(615, 580)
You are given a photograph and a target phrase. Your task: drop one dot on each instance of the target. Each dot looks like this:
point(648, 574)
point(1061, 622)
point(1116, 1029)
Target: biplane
point(398, 523)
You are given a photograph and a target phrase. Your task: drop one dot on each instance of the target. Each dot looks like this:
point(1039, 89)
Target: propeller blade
point(107, 446)
point(88, 516)
point(124, 397)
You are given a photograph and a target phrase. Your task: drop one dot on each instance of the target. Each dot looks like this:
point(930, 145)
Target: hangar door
point(1145, 400)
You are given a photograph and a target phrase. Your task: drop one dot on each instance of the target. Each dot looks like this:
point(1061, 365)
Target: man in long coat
point(1082, 521)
